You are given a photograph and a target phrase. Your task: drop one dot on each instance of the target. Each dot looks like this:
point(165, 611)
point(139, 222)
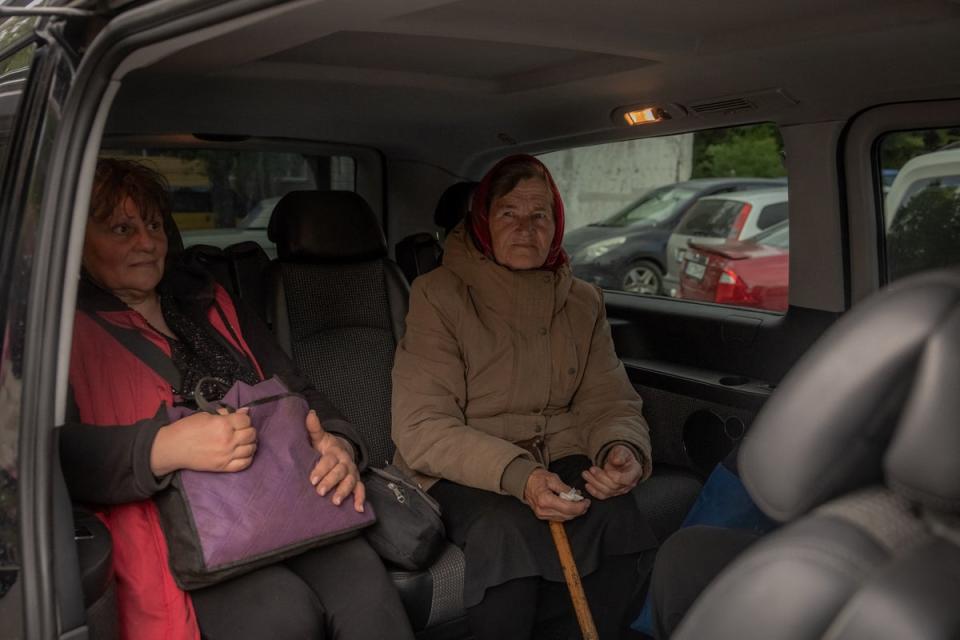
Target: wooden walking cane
point(580, 604)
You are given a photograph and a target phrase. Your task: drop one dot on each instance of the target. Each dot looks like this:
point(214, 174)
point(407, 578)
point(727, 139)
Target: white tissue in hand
point(573, 495)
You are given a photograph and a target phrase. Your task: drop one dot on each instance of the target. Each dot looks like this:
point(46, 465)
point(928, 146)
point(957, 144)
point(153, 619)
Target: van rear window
point(711, 217)
point(221, 196)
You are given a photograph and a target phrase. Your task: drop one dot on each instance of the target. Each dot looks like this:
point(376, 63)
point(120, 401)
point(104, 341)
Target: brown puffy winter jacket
point(492, 357)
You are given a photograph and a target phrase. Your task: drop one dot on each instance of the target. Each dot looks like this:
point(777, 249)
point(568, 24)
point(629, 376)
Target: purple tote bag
point(221, 525)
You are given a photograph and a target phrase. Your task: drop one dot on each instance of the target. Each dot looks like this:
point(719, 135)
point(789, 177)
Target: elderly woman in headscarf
point(507, 394)
point(119, 451)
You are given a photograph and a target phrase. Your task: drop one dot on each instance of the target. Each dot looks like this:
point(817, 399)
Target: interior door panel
point(705, 370)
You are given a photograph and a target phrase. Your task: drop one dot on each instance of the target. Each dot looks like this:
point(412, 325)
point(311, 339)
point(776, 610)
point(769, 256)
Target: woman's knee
point(349, 578)
point(270, 602)
point(344, 572)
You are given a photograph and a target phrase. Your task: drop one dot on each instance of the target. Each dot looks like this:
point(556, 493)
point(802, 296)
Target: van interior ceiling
point(453, 84)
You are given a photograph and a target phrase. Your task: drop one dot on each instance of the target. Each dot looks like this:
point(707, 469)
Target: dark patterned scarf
point(198, 354)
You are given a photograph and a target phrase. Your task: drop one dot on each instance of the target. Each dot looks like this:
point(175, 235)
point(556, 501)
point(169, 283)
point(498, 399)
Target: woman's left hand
point(335, 471)
point(620, 473)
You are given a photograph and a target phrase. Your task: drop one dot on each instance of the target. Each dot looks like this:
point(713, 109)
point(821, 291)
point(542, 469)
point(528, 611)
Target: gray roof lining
point(441, 80)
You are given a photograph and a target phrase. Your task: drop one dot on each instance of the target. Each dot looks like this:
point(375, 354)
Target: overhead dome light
point(645, 116)
point(634, 115)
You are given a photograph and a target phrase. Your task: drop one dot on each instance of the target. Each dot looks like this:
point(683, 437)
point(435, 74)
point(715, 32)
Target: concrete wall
point(597, 181)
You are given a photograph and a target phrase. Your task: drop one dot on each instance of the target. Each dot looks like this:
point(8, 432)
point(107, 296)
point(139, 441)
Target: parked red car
point(747, 273)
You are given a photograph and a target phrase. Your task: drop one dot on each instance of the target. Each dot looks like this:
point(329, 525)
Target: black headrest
point(174, 239)
point(325, 226)
point(876, 395)
point(454, 204)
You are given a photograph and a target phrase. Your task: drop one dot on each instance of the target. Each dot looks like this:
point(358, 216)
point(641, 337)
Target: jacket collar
point(505, 291)
point(189, 285)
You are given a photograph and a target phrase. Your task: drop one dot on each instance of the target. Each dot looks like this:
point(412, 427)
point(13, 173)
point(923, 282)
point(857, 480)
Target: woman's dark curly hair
point(116, 180)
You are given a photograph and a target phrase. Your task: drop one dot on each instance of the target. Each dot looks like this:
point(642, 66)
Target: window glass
point(633, 207)
point(772, 214)
point(776, 236)
point(712, 217)
point(650, 210)
point(921, 207)
point(221, 197)
point(13, 76)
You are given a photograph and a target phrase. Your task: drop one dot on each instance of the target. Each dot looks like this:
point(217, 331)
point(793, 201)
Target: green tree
point(899, 147)
point(12, 30)
point(754, 150)
point(925, 232)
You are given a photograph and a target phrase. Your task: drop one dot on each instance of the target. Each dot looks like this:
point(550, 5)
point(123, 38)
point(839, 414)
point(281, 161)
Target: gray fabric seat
point(858, 451)
point(337, 305)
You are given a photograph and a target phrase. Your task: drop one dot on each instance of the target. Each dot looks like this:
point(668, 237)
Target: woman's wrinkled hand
point(540, 494)
point(620, 473)
point(224, 442)
point(335, 471)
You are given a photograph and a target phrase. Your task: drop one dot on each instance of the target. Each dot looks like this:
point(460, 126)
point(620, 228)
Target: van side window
point(677, 215)
point(919, 173)
point(14, 69)
point(222, 197)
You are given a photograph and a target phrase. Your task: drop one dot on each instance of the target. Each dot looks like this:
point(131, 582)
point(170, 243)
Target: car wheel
point(643, 277)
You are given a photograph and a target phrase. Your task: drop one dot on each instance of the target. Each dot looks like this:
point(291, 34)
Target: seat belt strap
point(147, 352)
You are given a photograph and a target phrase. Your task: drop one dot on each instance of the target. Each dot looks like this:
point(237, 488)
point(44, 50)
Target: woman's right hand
point(205, 442)
point(540, 494)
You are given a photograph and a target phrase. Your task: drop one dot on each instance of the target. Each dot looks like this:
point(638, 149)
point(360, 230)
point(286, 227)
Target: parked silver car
point(716, 219)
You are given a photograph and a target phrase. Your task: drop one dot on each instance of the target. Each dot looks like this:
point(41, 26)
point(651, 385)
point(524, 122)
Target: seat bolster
point(277, 316)
point(398, 297)
point(826, 429)
point(433, 597)
point(803, 574)
point(416, 590)
point(913, 597)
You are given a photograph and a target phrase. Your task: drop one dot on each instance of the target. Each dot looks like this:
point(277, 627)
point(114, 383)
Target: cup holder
point(734, 381)
point(734, 428)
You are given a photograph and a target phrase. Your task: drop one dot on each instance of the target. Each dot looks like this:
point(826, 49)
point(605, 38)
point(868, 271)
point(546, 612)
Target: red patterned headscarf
point(480, 212)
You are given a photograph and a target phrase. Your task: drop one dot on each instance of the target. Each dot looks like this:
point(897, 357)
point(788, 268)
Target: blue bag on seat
point(723, 502)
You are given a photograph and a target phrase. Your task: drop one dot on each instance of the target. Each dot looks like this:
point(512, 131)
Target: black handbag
point(409, 532)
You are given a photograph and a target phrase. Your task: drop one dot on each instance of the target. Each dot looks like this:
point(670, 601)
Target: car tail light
point(740, 221)
point(730, 288)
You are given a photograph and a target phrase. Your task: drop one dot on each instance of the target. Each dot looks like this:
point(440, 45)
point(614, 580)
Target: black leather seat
point(859, 450)
point(422, 252)
point(248, 272)
point(418, 254)
point(337, 305)
point(240, 268)
point(453, 205)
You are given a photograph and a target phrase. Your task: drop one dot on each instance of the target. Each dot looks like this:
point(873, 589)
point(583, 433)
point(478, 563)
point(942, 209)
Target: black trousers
point(686, 563)
point(514, 583)
point(536, 608)
point(341, 591)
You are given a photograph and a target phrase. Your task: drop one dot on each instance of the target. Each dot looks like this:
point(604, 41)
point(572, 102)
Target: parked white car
point(940, 169)
point(717, 219)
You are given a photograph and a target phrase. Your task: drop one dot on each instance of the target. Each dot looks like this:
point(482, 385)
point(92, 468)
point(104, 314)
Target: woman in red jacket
point(128, 283)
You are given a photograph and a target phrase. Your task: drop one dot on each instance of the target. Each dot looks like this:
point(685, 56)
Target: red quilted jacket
point(111, 386)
